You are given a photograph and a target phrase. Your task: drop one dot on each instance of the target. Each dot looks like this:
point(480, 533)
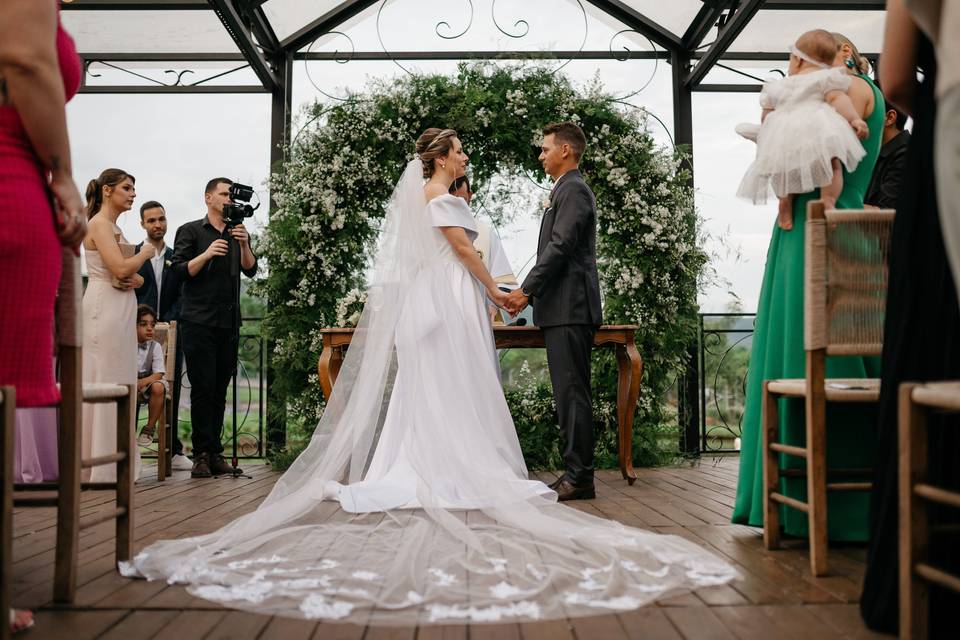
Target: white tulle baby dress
point(798, 139)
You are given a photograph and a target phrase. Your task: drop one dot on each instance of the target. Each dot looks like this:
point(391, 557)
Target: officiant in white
point(490, 248)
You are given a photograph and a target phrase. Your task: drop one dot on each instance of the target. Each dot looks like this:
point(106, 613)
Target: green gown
point(778, 352)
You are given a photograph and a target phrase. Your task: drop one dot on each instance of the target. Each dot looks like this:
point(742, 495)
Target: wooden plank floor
point(777, 597)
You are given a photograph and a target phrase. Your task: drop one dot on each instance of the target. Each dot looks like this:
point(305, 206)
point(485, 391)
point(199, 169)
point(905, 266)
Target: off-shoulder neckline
point(446, 195)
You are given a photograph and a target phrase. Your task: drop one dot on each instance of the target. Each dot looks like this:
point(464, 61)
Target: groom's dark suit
point(565, 291)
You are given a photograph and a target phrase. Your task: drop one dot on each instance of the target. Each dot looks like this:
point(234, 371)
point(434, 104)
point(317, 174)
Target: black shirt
point(208, 297)
point(884, 186)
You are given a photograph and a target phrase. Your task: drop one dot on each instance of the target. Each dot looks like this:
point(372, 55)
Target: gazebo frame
point(272, 60)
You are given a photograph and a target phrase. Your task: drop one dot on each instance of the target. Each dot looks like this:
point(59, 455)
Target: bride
point(412, 503)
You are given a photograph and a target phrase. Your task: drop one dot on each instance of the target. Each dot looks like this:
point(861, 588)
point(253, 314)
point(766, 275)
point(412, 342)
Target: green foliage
point(331, 196)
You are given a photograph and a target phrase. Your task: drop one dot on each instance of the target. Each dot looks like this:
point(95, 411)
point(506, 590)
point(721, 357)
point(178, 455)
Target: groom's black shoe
point(556, 483)
point(569, 491)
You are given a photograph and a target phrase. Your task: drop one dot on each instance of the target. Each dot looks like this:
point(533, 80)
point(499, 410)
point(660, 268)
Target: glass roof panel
point(774, 31)
point(534, 25)
point(289, 16)
point(675, 15)
point(148, 32)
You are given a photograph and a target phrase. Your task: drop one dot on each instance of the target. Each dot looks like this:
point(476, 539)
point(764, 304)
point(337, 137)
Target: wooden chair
point(165, 333)
point(65, 494)
point(915, 402)
point(8, 407)
point(845, 297)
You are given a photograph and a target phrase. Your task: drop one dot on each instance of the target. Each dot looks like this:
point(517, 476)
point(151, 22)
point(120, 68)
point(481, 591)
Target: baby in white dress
point(809, 127)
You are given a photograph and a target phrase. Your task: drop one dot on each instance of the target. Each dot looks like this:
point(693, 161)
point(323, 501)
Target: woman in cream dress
point(109, 313)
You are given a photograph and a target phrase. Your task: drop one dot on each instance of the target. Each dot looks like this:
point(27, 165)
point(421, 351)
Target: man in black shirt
point(884, 186)
point(209, 319)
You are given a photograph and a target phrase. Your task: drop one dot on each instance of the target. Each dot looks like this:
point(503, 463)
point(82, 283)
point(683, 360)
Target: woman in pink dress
point(40, 206)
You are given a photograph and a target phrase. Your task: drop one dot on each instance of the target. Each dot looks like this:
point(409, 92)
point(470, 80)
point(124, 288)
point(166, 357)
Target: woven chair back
point(846, 270)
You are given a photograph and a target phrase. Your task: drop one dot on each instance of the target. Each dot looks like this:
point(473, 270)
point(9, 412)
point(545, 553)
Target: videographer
point(205, 255)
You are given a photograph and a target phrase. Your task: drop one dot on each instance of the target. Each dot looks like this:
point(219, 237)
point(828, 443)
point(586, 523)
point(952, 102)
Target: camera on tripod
point(235, 212)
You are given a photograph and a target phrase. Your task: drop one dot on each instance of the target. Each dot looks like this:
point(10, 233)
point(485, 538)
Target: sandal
point(20, 620)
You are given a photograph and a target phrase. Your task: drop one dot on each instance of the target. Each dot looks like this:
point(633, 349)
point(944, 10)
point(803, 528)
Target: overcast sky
point(174, 143)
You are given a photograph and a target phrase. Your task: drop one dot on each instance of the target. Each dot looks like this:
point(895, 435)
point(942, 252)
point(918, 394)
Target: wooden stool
point(915, 401)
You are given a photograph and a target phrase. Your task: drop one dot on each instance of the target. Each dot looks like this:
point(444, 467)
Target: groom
point(566, 290)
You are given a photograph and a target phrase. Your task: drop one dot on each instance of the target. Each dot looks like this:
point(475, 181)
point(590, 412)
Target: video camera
point(234, 213)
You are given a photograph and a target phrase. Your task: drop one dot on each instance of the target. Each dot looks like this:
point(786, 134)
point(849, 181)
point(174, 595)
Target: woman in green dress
point(778, 351)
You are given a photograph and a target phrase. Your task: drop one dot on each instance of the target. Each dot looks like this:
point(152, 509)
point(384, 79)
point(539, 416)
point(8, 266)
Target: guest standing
point(778, 350)
point(40, 206)
point(940, 21)
point(921, 337)
point(204, 253)
point(161, 284)
point(109, 313)
point(887, 180)
point(161, 290)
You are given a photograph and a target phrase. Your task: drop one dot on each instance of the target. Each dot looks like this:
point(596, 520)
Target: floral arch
point(331, 194)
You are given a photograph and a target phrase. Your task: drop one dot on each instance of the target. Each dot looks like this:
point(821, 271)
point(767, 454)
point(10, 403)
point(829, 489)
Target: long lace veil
point(517, 557)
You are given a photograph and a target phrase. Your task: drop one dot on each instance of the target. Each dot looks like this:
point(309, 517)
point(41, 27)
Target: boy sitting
point(151, 387)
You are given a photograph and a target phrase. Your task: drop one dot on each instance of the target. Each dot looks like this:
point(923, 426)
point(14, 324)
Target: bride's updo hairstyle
point(432, 144)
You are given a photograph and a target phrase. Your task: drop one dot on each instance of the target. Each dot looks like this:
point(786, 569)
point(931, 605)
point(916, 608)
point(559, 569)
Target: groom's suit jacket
point(564, 285)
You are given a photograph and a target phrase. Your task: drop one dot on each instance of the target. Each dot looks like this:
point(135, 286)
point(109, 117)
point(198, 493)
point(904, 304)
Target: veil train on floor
point(513, 554)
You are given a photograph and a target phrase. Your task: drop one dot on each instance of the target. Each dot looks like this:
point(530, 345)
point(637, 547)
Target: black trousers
point(568, 357)
point(211, 354)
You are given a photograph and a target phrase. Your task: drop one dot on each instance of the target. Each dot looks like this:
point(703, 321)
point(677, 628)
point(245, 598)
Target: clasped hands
point(514, 302)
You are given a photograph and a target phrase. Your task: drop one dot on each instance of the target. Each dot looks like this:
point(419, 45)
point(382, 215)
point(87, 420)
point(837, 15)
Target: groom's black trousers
point(568, 357)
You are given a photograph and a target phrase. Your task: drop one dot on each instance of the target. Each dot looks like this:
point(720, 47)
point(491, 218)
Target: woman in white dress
point(412, 504)
point(109, 314)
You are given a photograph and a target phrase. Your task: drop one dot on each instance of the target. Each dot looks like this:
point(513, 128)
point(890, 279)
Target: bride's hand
point(498, 297)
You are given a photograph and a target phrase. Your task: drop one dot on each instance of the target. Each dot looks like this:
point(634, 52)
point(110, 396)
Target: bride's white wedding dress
point(448, 387)
point(412, 504)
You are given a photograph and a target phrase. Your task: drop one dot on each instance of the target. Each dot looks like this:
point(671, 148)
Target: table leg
point(336, 360)
point(323, 370)
point(629, 371)
point(328, 368)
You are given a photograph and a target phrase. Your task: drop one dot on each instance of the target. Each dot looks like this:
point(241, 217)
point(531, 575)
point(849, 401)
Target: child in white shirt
point(151, 386)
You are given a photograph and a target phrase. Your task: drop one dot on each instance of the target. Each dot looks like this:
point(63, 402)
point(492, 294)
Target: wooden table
point(619, 337)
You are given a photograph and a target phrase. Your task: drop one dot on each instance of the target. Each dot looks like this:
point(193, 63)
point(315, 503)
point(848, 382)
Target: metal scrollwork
point(176, 83)
point(179, 74)
point(714, 342)
point(521, 24)
point(384, 47)
point(583, 41)
point(444, 23)
point(656, 61)
point(341, 60)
